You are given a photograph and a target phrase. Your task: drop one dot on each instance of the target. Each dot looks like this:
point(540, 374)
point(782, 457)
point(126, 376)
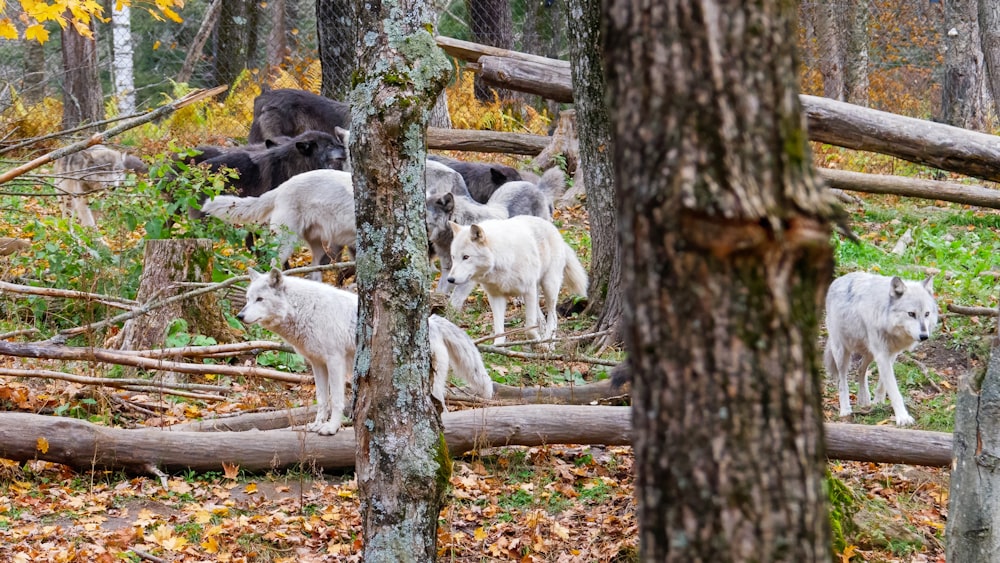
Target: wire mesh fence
point(247, 44)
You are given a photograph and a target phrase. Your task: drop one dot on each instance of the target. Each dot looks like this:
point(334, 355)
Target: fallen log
point(911, 187)
point(86, 446)
point(836, 123)
point(546, 80)
point(485, 141)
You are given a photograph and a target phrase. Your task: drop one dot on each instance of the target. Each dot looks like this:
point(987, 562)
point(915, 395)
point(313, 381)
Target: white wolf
point(315, 206)
point(876, 317)
point(319, 321)
point(511, 258)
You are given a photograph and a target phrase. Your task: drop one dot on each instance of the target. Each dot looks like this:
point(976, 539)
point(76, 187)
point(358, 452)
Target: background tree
point(962, 91)
point(856, 71)
point(82, 96)
point(235, 39)
point(597, 166)
point(122, 70)
point(491, 23)
point(403, 463)
point(989, 33)
point(725, 260)
point(830, 24)
point(335, 29)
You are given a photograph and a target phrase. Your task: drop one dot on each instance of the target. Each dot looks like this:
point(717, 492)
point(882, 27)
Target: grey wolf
point(510, 200)
point(315, 206)
point(85, 172)
point(290, 112)
point(481, 178)
point(876, 317)
point(319, 321)
point(513, 258)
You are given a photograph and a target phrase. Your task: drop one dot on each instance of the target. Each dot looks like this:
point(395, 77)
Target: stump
point(168, 265)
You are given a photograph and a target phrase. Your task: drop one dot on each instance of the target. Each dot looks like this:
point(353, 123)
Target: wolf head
point(913, 312)
point(266, 300)
point(471, 255)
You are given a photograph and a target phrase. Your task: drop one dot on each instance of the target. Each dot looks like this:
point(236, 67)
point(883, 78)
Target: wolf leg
point(887, 383)
point(322, 398)
point(838, 363)
point(550, 292)
point(864, 394)
point(335, 391)
point(439, 368)
point(498, 304)
point(532, 311)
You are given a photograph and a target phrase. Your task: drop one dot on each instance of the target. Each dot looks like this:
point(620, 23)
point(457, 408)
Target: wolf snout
point(451, 279)
point(924, 336)
point(240, 317)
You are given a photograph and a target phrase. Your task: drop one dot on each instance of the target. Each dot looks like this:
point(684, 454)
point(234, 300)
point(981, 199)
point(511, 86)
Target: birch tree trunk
point(121, 62)
point(596, 164)
point(725, 260)
point(403, 462)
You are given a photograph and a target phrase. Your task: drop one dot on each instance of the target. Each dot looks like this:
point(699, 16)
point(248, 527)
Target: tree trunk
point(167, 264)
point(725, 260)
point(973, 530)
point(491, 23)
point(194, 54)
point(403, 462)
point(86, 446)
point(277, 39)
point(232, 40)
point(82, 97)
point(856, 76)
point(33, 83)
point(831, 34)
point(596, 165)
point(121, 65)
point(989, 34)
point(335, 26)
point(962, 101)
point(486, 141)
point(525, 76)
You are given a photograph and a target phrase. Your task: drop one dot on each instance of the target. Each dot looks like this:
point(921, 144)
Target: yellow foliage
point(78, 13)
point(467, 112)
point(33, 120)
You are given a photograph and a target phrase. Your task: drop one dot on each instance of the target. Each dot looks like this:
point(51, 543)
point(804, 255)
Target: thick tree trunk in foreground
point(403, 462)
point(725, 260)
point(86, 446)
point(596, 166)
point(973, 530)
point(168, 263)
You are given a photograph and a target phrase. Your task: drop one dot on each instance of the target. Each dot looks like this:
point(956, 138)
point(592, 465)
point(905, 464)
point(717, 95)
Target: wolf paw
point(328, 428)
point(904, 420)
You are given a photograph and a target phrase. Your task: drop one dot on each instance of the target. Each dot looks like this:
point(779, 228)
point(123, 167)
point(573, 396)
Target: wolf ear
point(254, 274)
point(928, 283)
point(898, 287)
point(343, 134)
point(455, 227)
point(305, 147)
point(275, 276)
point(498, 177)
point(477, 234)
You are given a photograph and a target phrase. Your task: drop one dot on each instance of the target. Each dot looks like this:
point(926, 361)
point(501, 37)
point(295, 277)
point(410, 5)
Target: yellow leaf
point(172, 15)
point(7, 29)
point(230, 470)
point(36, 33)
point(43, 445)
point(845, 557)
point(251, 488)
point(211, 545)
point(479, 534)
point(156, 45)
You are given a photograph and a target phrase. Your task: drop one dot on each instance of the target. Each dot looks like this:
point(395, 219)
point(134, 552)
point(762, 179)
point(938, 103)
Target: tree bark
point(403, 461)
point(525, 76)
point(962, 99)
point(168, 263)
point(277, 38)
point(234, 35)
point(973, 529)
point(33, 83)
point(725, 260)
point(597, 167)
point(82, 97)
point(830, 23)
point(486, 141)
point(989, 35)
point(856, 72)
point(86, 446)
point(336, 28)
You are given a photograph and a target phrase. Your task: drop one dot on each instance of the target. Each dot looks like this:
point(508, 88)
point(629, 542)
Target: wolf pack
point(489, 225)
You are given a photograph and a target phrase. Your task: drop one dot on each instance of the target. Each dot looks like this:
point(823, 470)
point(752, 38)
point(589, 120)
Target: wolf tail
point(553, 183)
point(465, 360)
point(232, 209)
point(574, 275)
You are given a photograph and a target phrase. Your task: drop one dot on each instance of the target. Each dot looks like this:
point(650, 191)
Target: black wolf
point(482, 178)
point(290, 112)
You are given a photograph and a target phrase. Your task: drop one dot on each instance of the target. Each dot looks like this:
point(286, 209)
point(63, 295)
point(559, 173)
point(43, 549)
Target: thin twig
point(105, 381)
point(218, 350)
point(108, 300)
point(972, 311)
point(546, 356)
point(16, 333)
point(175, 392)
